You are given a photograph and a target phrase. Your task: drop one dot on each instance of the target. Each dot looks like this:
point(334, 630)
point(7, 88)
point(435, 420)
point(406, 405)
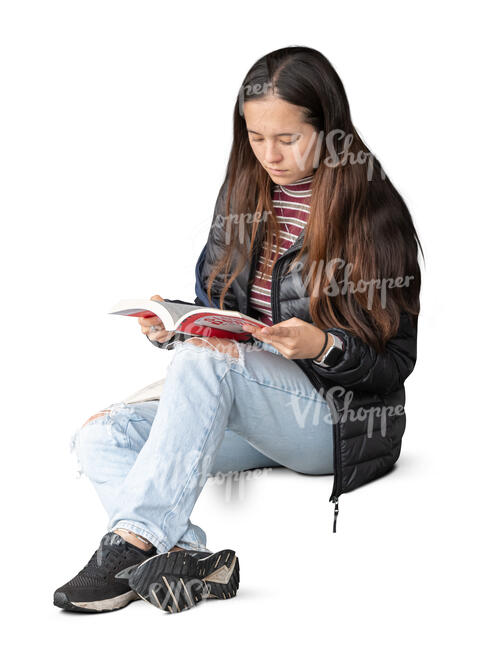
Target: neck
point(301, 181)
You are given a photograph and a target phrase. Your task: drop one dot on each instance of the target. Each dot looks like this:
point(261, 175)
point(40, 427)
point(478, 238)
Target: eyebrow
point(278, 134)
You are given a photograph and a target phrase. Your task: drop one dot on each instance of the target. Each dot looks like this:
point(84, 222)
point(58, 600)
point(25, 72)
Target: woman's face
point(284, 144)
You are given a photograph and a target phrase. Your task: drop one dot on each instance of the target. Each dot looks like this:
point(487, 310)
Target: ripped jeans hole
point(74, 449)
point(211, 348)
point(115, 414)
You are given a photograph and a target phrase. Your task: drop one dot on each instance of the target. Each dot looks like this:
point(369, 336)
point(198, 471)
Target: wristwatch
point(333, 353)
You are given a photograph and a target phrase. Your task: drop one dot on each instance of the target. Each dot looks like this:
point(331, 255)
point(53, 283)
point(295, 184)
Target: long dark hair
point(356, 215)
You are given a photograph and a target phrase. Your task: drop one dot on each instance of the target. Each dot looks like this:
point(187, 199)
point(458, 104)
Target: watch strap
point(332, 354)
point(326, 341)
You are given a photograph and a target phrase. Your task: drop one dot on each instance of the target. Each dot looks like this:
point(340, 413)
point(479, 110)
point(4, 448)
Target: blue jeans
point(148, 461)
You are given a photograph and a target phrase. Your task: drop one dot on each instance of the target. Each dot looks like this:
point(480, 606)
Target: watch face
point(332, 356)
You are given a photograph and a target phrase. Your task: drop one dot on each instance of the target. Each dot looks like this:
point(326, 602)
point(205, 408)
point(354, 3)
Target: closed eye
point(281, 141)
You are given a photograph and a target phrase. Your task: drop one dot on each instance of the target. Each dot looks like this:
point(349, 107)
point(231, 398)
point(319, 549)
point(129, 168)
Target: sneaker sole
point(107, 605)
point(176, 580)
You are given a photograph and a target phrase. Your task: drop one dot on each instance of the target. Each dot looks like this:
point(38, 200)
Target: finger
point(254, 329)
point(278, 346)
point(279, 332)
point(275, 338)
point(149, 330)
point(160, 337)
point(150, 320)
point(248, 327)
point(256, 332)
point(285, 346)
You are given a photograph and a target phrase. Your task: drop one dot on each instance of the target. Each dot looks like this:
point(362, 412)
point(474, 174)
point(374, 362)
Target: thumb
point(277, 330)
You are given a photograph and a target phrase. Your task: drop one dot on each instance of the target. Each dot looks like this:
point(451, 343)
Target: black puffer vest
point(365, 390)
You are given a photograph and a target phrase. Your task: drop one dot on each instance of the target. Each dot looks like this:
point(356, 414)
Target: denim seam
point(193, 470)
point(129, 418)
point(128, 438)
point(280, 388)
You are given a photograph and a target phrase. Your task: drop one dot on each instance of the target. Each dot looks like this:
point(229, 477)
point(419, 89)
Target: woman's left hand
point(293, 338)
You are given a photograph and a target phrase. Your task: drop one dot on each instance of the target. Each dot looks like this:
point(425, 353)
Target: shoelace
point(106, 559)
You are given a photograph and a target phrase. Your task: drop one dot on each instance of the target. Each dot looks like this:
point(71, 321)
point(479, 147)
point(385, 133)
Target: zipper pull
point(336, 511)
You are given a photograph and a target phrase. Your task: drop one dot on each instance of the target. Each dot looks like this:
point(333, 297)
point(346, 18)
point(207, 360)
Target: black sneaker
point(177, 580)
point(102, 585)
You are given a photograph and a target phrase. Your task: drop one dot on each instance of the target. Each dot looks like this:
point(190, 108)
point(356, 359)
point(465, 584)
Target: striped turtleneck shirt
point(291, 204)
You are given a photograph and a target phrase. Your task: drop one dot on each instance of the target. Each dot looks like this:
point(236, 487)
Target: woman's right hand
point(162, 334)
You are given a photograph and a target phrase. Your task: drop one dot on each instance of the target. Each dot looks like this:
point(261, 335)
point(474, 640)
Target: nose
point(272, 154)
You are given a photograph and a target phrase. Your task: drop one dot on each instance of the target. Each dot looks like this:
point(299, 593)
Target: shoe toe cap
point(60, 599)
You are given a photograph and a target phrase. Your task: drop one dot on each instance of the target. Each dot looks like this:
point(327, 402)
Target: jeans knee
point(98, 436)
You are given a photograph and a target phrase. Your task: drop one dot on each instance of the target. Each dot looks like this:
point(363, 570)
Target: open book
point(189, 318)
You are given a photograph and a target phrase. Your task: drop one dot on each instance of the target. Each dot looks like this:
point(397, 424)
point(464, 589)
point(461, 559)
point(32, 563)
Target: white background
point(115, 124)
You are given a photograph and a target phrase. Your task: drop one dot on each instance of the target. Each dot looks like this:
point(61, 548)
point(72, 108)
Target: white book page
point(177, 309)
point(173, 313)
